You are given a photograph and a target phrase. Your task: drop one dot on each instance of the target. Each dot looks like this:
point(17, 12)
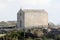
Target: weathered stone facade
point(29, 18)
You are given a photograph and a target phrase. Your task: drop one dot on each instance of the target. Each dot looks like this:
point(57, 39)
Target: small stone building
point(31, 18)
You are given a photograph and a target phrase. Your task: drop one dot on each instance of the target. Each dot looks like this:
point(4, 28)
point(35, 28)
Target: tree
point(51, 25)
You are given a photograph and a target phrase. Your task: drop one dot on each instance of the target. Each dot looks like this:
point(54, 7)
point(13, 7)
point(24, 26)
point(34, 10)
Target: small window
point(20, 14)
point(20, 23)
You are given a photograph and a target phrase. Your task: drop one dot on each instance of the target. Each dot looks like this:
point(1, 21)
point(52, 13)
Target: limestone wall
point(36, 18)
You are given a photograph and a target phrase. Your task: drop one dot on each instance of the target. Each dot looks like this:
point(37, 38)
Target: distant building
point(3, 24)
point(29, 18)
point(11, 23)
point(8, 23)
point(7, 26)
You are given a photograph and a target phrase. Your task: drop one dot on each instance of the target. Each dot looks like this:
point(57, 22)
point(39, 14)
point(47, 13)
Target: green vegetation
point(13, 35)
point(35, 34)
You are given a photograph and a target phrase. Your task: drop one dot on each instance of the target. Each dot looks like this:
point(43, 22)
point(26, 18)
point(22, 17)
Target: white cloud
point(34, 3)
point(2, 4)
point(25, 3)
point(11, 0)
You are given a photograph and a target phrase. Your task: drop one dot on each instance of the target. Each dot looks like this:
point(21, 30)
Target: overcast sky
point(9, 8)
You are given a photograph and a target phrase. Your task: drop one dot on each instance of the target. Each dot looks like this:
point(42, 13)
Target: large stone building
point(29, 18)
